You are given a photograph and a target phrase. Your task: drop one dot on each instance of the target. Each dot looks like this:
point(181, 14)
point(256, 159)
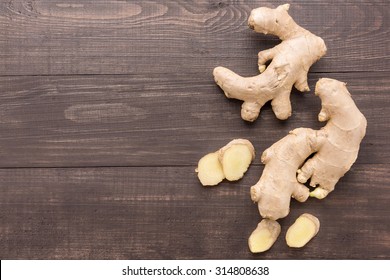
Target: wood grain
point(46, 37)
point(156, 121)
point(106, 107)
point(164, 213)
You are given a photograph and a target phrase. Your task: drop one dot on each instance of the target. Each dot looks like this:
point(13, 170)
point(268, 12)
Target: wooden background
point(106, 107)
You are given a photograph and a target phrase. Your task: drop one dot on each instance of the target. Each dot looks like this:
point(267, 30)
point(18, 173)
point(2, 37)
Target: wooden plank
point(126, 86)
point(43, 37)
point(156, 121)
point(164, 213)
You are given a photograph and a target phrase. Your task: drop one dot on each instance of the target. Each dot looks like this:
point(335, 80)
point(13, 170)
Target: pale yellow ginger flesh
point(264, 236)
point(235, 161)
point(302, 231)
point(210, 172)
point(335, 148)
point(290, 63)
point(230, 162)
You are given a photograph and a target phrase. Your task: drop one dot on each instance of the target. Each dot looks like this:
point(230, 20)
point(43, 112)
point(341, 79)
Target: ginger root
point(290, 64)
point(278, 182)
point(338, 142)
point(264, 236)
point(336, 147)
point(302, 231)
point(230, 162)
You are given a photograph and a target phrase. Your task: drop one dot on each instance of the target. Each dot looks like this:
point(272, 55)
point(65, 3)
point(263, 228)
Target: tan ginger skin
point(291, 60)
point(338, 142)
point(278, 182)
point(336, 147)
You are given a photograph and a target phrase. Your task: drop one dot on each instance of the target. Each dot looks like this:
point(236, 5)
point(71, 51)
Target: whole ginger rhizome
point(323, 156)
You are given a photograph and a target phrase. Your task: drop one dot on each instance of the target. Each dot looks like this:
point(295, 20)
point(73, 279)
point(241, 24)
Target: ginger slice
point(264, 236)
point(302, 231)
point(230, 162)
point(210, 172)
point(236, 158)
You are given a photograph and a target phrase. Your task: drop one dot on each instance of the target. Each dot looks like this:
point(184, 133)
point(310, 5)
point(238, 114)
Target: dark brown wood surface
point(106, 107)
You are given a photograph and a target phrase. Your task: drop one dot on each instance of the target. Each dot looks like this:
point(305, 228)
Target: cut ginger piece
point(210, 172)
point(302, 231)
point(230, 162)
point(264, 236)
point(236, 158)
